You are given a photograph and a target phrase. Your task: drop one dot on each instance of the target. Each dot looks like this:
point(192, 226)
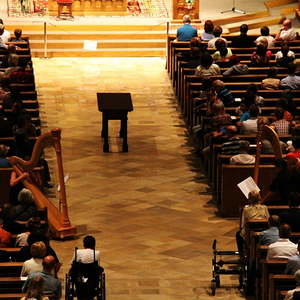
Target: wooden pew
point(12, 296)
point(280, 283)
point(10, 269)
point(9, 285)
point(32, 112)
point(270, 267)
point(23, 87)
point(26, 57)
point(218, 159)
point(19, 50)
point(232, 199)
point(28, 95)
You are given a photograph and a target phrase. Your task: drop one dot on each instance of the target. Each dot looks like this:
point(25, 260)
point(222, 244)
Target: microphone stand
point(233, 9)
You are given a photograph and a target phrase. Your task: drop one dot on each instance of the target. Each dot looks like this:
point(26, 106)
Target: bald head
point(284, 231)
point(48, 263)
point(186, 19)
point(287, 24)
point(231, 129)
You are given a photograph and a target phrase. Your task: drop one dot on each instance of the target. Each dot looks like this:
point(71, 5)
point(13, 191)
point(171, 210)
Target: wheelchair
point(237, 266)
point(85, 282)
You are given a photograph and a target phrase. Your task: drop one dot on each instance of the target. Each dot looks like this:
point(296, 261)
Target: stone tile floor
point(148, 208)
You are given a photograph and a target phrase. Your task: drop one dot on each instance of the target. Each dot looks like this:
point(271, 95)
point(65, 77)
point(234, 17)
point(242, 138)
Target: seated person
point(283, 248)
point(243, 111)
point(88, 254)
point(187, 31)
point(254, 210)
point(5, 237)
point(296, 152)
point(4, 163)
point(292, 81)
point(208, 34)
point(38, 251)
point(250, 126)
point(88, 267)
point(4, 91)
point(16, 217)
point(284, 56)
point(243, 40)
point(18, 36)
point(4, 37)
point(252, 97)
point(193, 57)
point(217, 33)
point(287, 179)
point(21, 75)
point(267, 147)
point(35, 290)
point(281, 126)
point(292, 216)
point(287, 104)
point(293, 264)
point(291, 293)
point(261, 56)
point(12, 65)
point(9, 60)
point(207, 68)
point(223, 93)
point(243, 158)
point(270, 235)
point(223, 53)
point(37, 236)
point(237, 68)
point(219, 118)
point(271, 82)
point(265, 34)
point(286, 32)
point(51, 284)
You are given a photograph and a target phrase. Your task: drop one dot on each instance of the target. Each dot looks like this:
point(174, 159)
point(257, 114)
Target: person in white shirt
point(250, 126)
point(265, 34)
point(88, 254)
point(290, 293)
point(283, 248)
point(38, 251)
point(4, 35)
point(244, 158)
point(286, 33)
point(217, 33)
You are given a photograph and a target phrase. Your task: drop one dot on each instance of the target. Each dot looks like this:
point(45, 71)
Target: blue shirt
point(51, 284)
point(245, 116)
point(207, 36)
point(186, 33)
point(4, 163)
point(269, 236)
point(293, 265)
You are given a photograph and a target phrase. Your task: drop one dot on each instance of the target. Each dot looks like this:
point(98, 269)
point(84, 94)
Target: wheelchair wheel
point(217, 279)
point(69, 291)
point(213, 287)
point(101, 292)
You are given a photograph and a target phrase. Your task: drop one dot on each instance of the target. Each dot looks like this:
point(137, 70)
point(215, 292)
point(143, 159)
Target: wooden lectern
point(114, 106)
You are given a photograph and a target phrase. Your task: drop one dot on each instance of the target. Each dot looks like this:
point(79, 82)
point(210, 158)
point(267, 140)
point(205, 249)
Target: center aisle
point(147, 208)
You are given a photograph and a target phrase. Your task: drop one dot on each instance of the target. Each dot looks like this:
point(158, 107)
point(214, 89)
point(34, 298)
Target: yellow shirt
point(256, 211)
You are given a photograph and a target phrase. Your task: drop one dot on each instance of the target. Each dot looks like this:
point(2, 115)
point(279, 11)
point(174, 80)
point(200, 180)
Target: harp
point(265, 133)
point(58, 217)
